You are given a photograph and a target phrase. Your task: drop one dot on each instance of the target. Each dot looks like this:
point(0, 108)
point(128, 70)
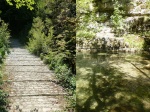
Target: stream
point(118, 82)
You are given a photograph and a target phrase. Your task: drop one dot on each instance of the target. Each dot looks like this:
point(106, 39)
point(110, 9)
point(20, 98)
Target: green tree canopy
point(20, 3)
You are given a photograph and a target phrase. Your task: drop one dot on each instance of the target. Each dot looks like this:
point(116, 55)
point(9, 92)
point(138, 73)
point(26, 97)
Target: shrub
point(52, 37)
point(4, 39)
point(117, 19)
point(36, 36)
point(134, 40)
point(85, 34)
point(3, 95)
point(4, 42)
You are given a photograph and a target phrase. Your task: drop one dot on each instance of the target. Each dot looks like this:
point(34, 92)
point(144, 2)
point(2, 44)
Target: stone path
point(31, 84)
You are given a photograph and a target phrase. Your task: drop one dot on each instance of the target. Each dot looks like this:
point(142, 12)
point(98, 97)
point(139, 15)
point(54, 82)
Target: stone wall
point(104, 44)
point(132, 7)
point(135, 19)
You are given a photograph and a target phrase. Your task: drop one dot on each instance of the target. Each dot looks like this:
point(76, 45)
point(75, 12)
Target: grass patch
point(134, 40)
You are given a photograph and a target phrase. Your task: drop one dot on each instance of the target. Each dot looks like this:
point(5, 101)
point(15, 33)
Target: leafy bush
point(52, 37)
point(4, 41)
point(63, 72)
point(36, 36)
point(3, 95)
point(85, 34)
point(38, 41)
point(117, 19)
point(134, 40)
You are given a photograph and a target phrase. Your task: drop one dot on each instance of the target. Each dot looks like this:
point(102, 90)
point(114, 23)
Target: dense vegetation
point(52, 37)
point(4, 41)
point(19, 3)
point(125, 18)
point(47, 28)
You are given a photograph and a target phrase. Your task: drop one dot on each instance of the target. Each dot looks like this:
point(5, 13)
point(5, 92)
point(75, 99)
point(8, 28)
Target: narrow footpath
point(31, 85)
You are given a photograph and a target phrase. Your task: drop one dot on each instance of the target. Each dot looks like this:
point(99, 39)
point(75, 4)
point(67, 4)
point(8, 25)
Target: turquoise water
point(113, 82)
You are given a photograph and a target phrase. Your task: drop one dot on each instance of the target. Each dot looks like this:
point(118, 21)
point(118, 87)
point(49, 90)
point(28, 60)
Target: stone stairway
point(31, 85)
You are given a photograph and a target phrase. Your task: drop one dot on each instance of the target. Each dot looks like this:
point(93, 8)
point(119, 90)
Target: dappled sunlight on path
point(31, 85)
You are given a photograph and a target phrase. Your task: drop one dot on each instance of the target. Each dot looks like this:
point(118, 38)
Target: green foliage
point(21, 3)
point(63, 73)
point(52, 37)
point(85, 34)
point(134, 40)
point(147, 4)
point(17, 18)
point(117, 18)
point(88, 19)
point(4, 41)
point(3, 95)
point(4, 34)
point(83, 6)
point(83, 11)
point(3, 101)
point(36, 36)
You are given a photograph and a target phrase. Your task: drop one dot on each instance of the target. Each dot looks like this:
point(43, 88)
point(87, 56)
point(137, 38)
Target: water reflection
point(112, 83)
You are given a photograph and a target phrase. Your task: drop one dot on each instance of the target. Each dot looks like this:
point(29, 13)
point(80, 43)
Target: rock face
point(132, 7)
point(103, 41)
point(103, 44)
point(136, 21)
point(32, 86)
point(136, 11)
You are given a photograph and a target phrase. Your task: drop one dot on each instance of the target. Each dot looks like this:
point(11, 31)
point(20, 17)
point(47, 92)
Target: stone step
point(21, 53)
point(41, 103)
point(17, 46)
point(23, 58)
point(19, 50)
point(31, 85)
point(35, 88)
point(27, 69)
point(23, 76)
point(10, 62)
